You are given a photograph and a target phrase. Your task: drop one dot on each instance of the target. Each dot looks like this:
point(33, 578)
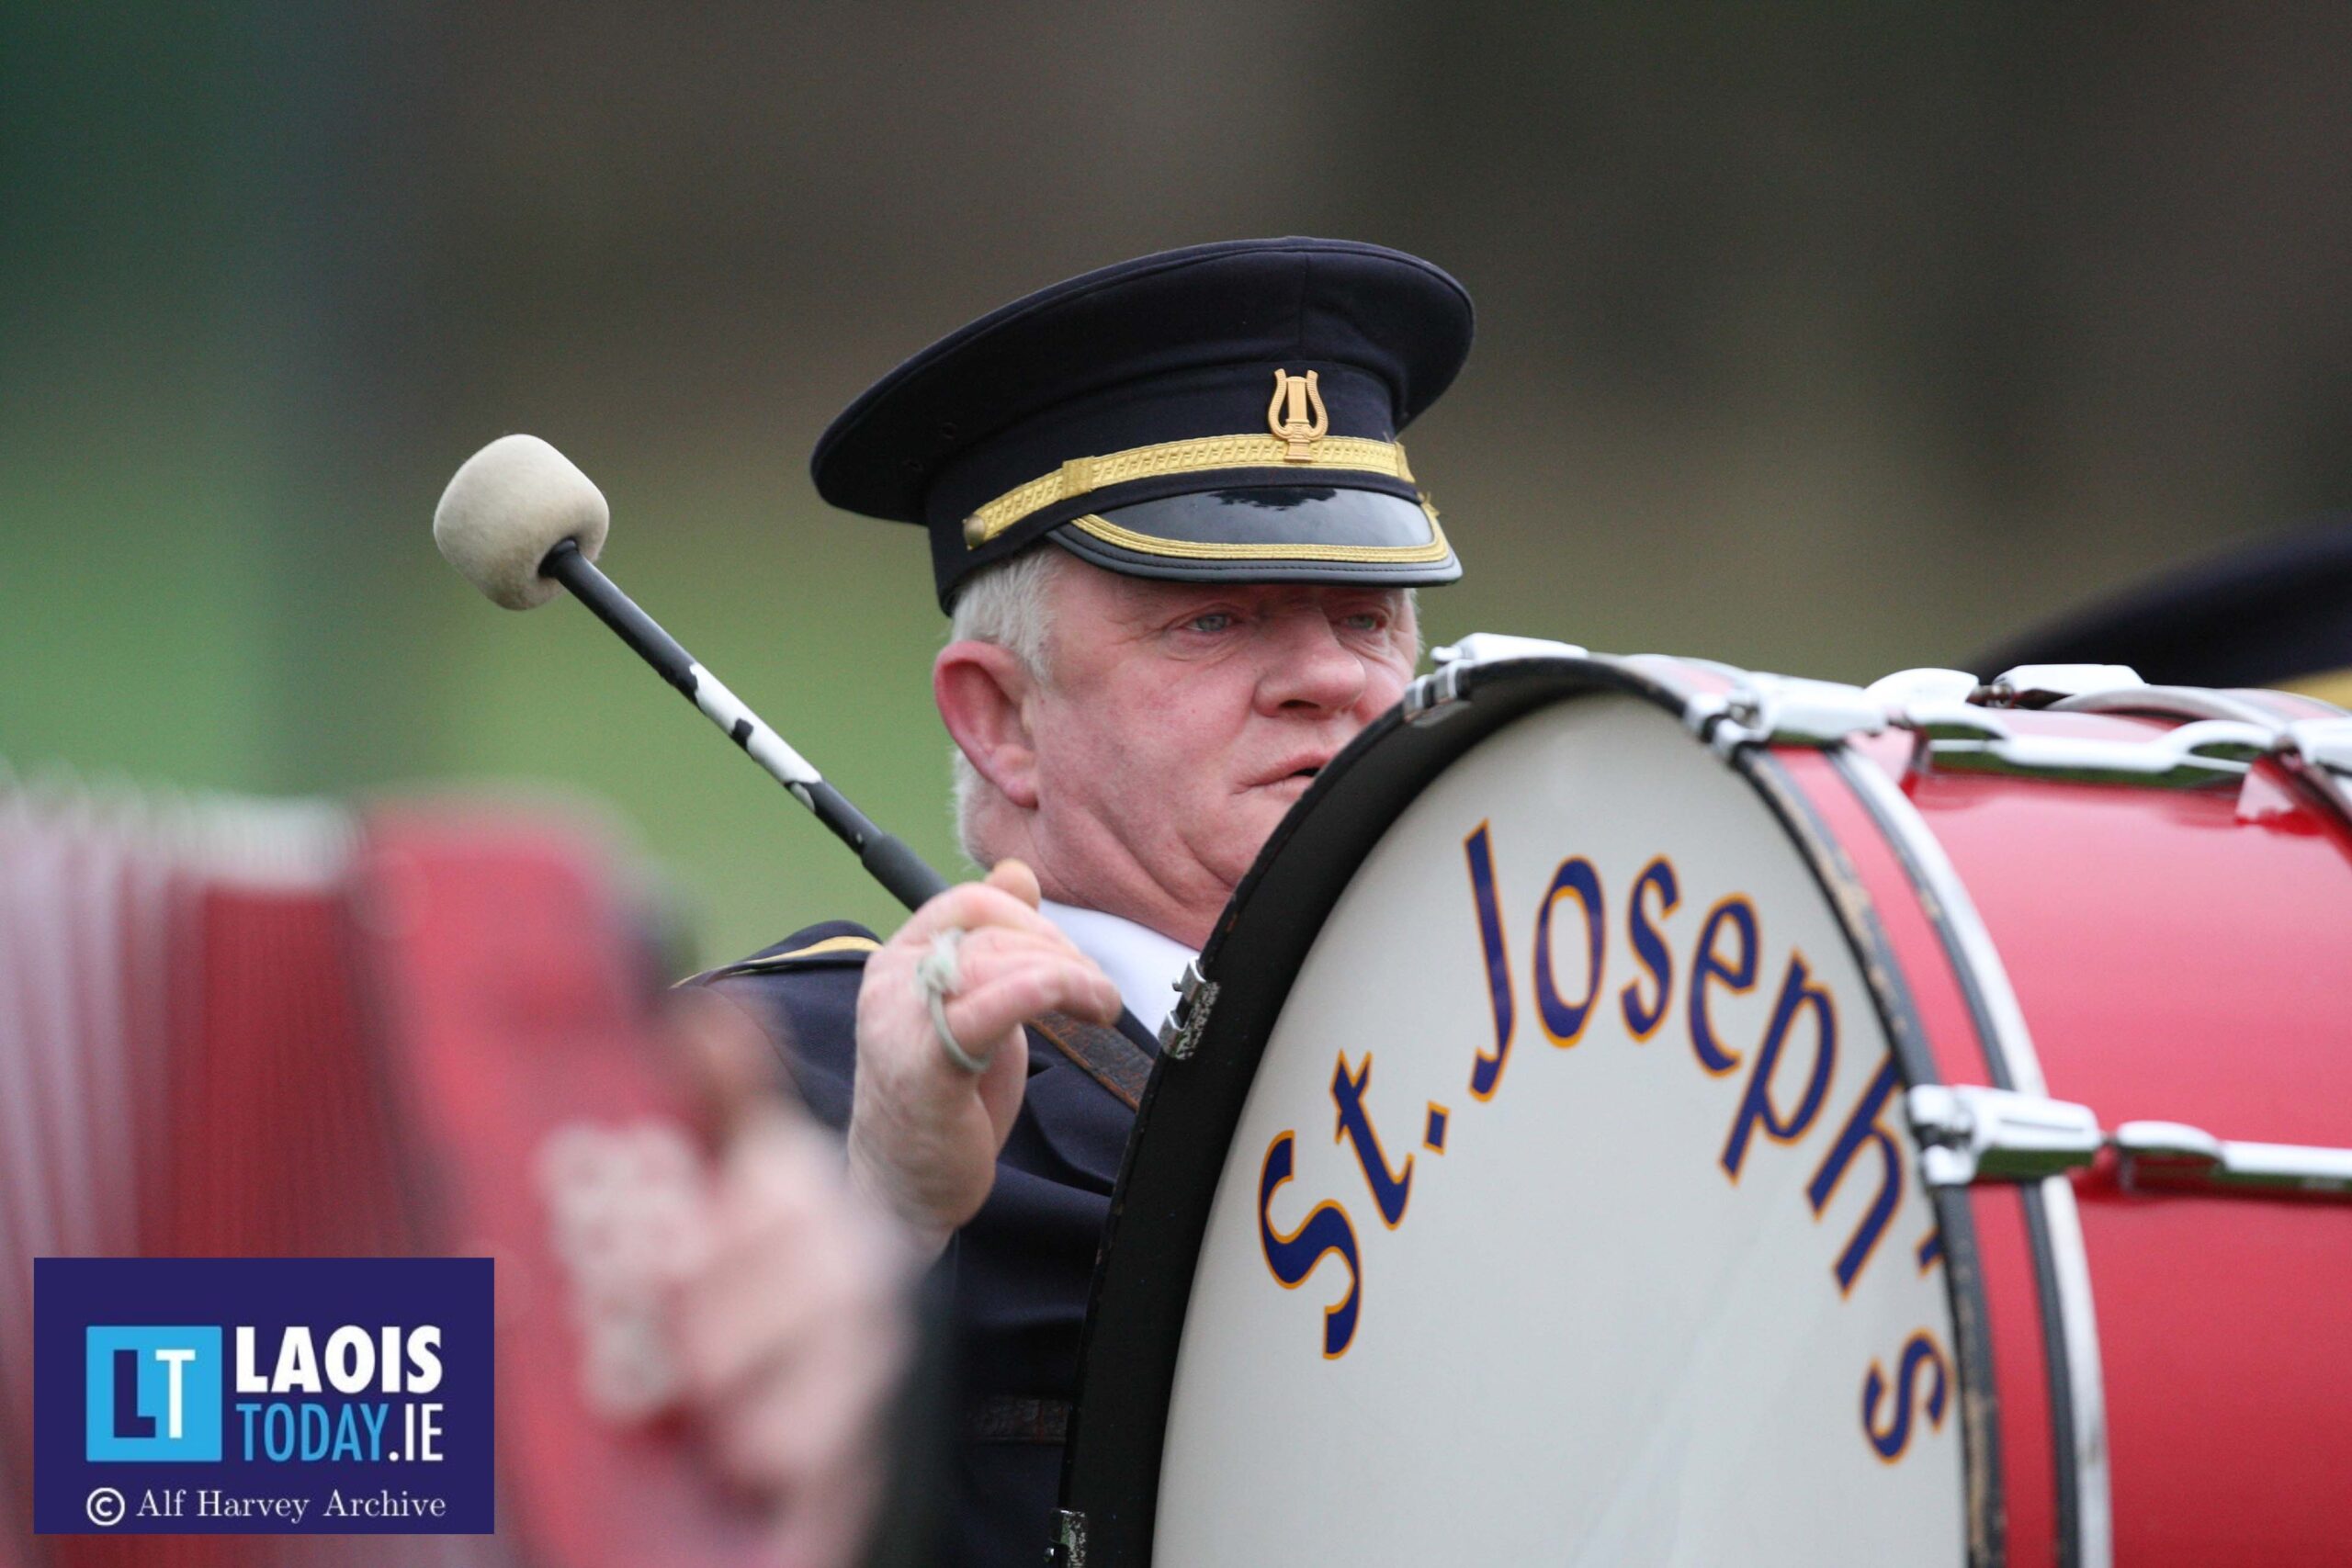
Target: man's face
point(1179, 721)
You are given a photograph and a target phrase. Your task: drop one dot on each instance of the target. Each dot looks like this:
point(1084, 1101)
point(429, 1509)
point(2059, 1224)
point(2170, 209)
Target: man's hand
point(923, 1133)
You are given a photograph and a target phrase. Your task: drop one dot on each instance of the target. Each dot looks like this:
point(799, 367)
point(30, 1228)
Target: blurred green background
point(1815, 337)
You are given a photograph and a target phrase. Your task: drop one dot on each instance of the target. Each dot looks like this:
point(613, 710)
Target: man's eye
point(1363, 620)
point(1213, 621)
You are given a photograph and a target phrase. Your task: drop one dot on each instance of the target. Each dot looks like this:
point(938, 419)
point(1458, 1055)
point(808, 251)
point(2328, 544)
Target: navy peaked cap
point(1224, 411)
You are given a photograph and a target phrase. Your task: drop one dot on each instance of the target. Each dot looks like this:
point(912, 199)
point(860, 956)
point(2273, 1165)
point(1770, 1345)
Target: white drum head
point(1582, 1338)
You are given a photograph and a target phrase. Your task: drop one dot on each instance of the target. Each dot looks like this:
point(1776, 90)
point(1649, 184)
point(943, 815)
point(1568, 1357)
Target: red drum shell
point(2178, 955)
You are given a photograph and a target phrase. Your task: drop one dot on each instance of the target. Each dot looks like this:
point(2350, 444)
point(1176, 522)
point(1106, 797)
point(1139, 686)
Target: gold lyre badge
point(1296, 415)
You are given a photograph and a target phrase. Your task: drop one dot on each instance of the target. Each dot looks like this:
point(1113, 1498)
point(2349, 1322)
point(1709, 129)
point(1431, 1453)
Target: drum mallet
point(519, 519)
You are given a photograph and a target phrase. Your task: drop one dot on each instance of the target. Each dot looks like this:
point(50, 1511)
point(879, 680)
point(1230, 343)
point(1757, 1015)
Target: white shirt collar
point(1142, 964)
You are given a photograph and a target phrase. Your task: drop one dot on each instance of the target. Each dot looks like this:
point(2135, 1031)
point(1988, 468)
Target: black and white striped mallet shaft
point(519, 519)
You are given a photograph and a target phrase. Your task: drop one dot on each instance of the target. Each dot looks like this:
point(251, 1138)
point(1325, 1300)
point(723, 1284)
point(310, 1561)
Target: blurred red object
point(240, 1028)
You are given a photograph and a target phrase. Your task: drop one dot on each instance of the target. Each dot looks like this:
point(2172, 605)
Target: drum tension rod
point(1970, 1134)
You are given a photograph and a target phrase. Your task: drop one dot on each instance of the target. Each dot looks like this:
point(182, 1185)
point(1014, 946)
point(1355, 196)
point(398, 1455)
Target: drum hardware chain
point(2169, 702)
point(2206, 752)
point(1485, 648)
point(2026, 686)
point(1970, 1134)
point(1907, 689)
point(1942, 719)
point(1197, 994)
point(2323, 748)
point(2320, 750)
point(2038, 685)
point(1784, 710)
point(1069, 1540)
point(2319, 744)
point(1959, 727)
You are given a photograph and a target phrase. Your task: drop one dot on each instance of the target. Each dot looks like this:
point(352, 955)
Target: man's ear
point(980, 689)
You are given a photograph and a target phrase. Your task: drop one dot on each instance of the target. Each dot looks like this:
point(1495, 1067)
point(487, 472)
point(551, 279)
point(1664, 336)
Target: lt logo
point(152, 1393)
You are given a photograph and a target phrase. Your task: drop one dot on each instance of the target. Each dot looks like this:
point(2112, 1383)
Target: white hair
point(1007, 605)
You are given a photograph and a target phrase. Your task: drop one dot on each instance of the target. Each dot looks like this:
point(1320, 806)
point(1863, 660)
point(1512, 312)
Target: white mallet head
point(514, 501)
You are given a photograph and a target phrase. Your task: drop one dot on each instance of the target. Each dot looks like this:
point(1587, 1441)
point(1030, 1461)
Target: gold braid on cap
point(1080, 476)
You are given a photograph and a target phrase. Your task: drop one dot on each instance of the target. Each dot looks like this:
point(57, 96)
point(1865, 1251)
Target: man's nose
point(1308, 667)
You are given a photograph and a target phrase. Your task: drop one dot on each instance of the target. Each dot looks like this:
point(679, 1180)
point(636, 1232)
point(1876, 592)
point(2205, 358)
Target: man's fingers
point(996, 951)
point(993, 949)
point(1015, 877)
point(1010, 977)
point(924, 1132)
point(985, 1010)
point(971, 905)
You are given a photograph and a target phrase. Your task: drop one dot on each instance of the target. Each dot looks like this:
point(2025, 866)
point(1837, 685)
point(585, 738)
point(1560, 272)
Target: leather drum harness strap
point(1103, 1053)
point(1122, 1067)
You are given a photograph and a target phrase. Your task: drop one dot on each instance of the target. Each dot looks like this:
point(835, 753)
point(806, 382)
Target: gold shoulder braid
point(830, 947)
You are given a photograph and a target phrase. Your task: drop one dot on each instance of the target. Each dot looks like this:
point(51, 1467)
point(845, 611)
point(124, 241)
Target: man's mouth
point(1299, 772)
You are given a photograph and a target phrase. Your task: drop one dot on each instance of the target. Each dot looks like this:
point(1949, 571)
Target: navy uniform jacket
point(1023, 1266)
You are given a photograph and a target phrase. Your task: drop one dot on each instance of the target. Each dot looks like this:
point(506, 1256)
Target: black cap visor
point(1287, 534)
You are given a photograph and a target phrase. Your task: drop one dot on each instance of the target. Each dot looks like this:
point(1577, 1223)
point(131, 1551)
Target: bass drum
point(1638, 1112)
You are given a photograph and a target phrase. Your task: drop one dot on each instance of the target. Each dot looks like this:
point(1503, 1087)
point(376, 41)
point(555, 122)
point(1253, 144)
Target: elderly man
point(1170, 518)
